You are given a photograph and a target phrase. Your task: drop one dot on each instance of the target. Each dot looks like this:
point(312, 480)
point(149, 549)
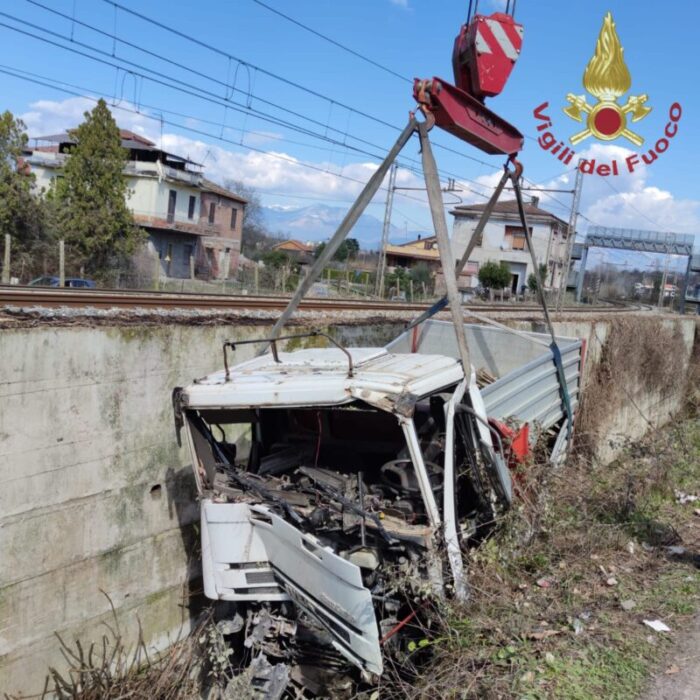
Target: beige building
point(408, 255)
point(187, 217)
point(503, 239)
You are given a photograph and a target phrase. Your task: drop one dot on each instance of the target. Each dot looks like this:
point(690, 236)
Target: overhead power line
point(209, 47)
point(79, 91)
point(276, 76)
point(209, 96)
point(331, 41)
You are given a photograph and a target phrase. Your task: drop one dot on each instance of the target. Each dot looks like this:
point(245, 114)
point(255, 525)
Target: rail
point(55, 298)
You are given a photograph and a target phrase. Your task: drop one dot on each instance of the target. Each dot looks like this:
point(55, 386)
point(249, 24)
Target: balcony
point(184, 176)
point(44, 159)
point(170, 224)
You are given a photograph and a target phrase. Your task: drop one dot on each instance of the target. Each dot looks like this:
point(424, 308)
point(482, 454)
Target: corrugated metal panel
point(531, 393)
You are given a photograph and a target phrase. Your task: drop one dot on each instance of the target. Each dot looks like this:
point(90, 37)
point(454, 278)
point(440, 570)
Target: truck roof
point(320, 377)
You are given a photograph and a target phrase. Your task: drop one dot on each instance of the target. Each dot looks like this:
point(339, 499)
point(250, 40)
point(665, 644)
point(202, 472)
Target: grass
point(546, 618)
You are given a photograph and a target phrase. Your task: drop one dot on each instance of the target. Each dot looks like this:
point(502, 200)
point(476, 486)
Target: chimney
point(535, 201)
point(419, 236)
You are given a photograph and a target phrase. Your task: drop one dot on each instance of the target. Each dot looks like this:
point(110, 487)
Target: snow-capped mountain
point(318, 222)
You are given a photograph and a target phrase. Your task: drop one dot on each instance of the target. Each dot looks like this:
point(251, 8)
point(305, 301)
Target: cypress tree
point(90, 196)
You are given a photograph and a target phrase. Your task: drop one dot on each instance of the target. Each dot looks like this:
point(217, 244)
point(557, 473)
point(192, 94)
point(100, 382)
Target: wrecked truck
point(341, 487)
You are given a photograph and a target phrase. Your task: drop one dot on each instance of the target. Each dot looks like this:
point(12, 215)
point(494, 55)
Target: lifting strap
point(556, 352)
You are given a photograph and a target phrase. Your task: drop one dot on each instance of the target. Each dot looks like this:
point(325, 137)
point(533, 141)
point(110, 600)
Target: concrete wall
point(94, 493)
point(634, 405)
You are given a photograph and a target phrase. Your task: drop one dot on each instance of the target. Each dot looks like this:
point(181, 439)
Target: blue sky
point(410, 37)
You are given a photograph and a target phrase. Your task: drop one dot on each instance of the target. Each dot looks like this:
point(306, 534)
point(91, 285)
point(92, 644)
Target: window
point(212, 212)
point(187, 251)
point(190, 208)
point(234, 217)
point(172, 201)
point(515, 238)
point(519, 242)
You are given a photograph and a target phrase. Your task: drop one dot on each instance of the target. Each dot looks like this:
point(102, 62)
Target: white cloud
point(274, 171)
point(47, 117)
point(400, 3)
point(628, 200)
point(277, 171)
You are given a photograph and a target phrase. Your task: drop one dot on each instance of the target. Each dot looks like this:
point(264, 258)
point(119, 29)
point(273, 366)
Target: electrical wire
point(276, 76)
point(278, 156)
point(186, 88)
point(54, 85)
point(332, 41)
point(246, 109)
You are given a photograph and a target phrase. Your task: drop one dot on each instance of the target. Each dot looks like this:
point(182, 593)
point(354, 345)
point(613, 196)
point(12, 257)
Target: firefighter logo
point(607, 78)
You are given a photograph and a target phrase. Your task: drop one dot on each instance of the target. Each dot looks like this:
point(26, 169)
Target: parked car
point(74, 282)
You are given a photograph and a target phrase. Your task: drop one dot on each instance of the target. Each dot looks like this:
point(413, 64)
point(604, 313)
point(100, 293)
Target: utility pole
point(6, 264)
point(61, 264)
point(662, 291)
point(684, 287)
point(571, 236)
point(451, 187)
point(385, 230)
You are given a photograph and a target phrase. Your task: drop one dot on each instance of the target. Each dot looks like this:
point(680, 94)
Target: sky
point(224, 88)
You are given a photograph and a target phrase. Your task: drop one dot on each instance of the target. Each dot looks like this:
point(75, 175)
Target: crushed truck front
point(321, 484)
point(340, 490)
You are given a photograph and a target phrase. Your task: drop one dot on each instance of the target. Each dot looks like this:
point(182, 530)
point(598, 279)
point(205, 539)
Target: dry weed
point(117, 668)
point(635, 358)
point(545, 618)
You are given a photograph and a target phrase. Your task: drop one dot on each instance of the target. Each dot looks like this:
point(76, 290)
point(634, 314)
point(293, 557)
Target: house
point(503, 239)
point(221, 218)
point(189, 219)
point(425, 250)
point(408, 255)
point(303, 253)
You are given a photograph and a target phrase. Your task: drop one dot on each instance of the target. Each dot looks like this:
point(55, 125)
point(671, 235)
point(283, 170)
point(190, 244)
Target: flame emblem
point(607, 78)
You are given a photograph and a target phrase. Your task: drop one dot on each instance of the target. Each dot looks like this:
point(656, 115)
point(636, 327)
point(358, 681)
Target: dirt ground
point(681, 678)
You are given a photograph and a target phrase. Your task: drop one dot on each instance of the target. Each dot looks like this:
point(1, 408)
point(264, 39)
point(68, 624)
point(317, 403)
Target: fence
point(149, 272)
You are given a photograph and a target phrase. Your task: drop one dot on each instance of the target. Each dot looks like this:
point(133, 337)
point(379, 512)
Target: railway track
point(128, 299)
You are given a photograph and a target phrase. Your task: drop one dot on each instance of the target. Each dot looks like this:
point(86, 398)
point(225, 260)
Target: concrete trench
point(96, 496)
